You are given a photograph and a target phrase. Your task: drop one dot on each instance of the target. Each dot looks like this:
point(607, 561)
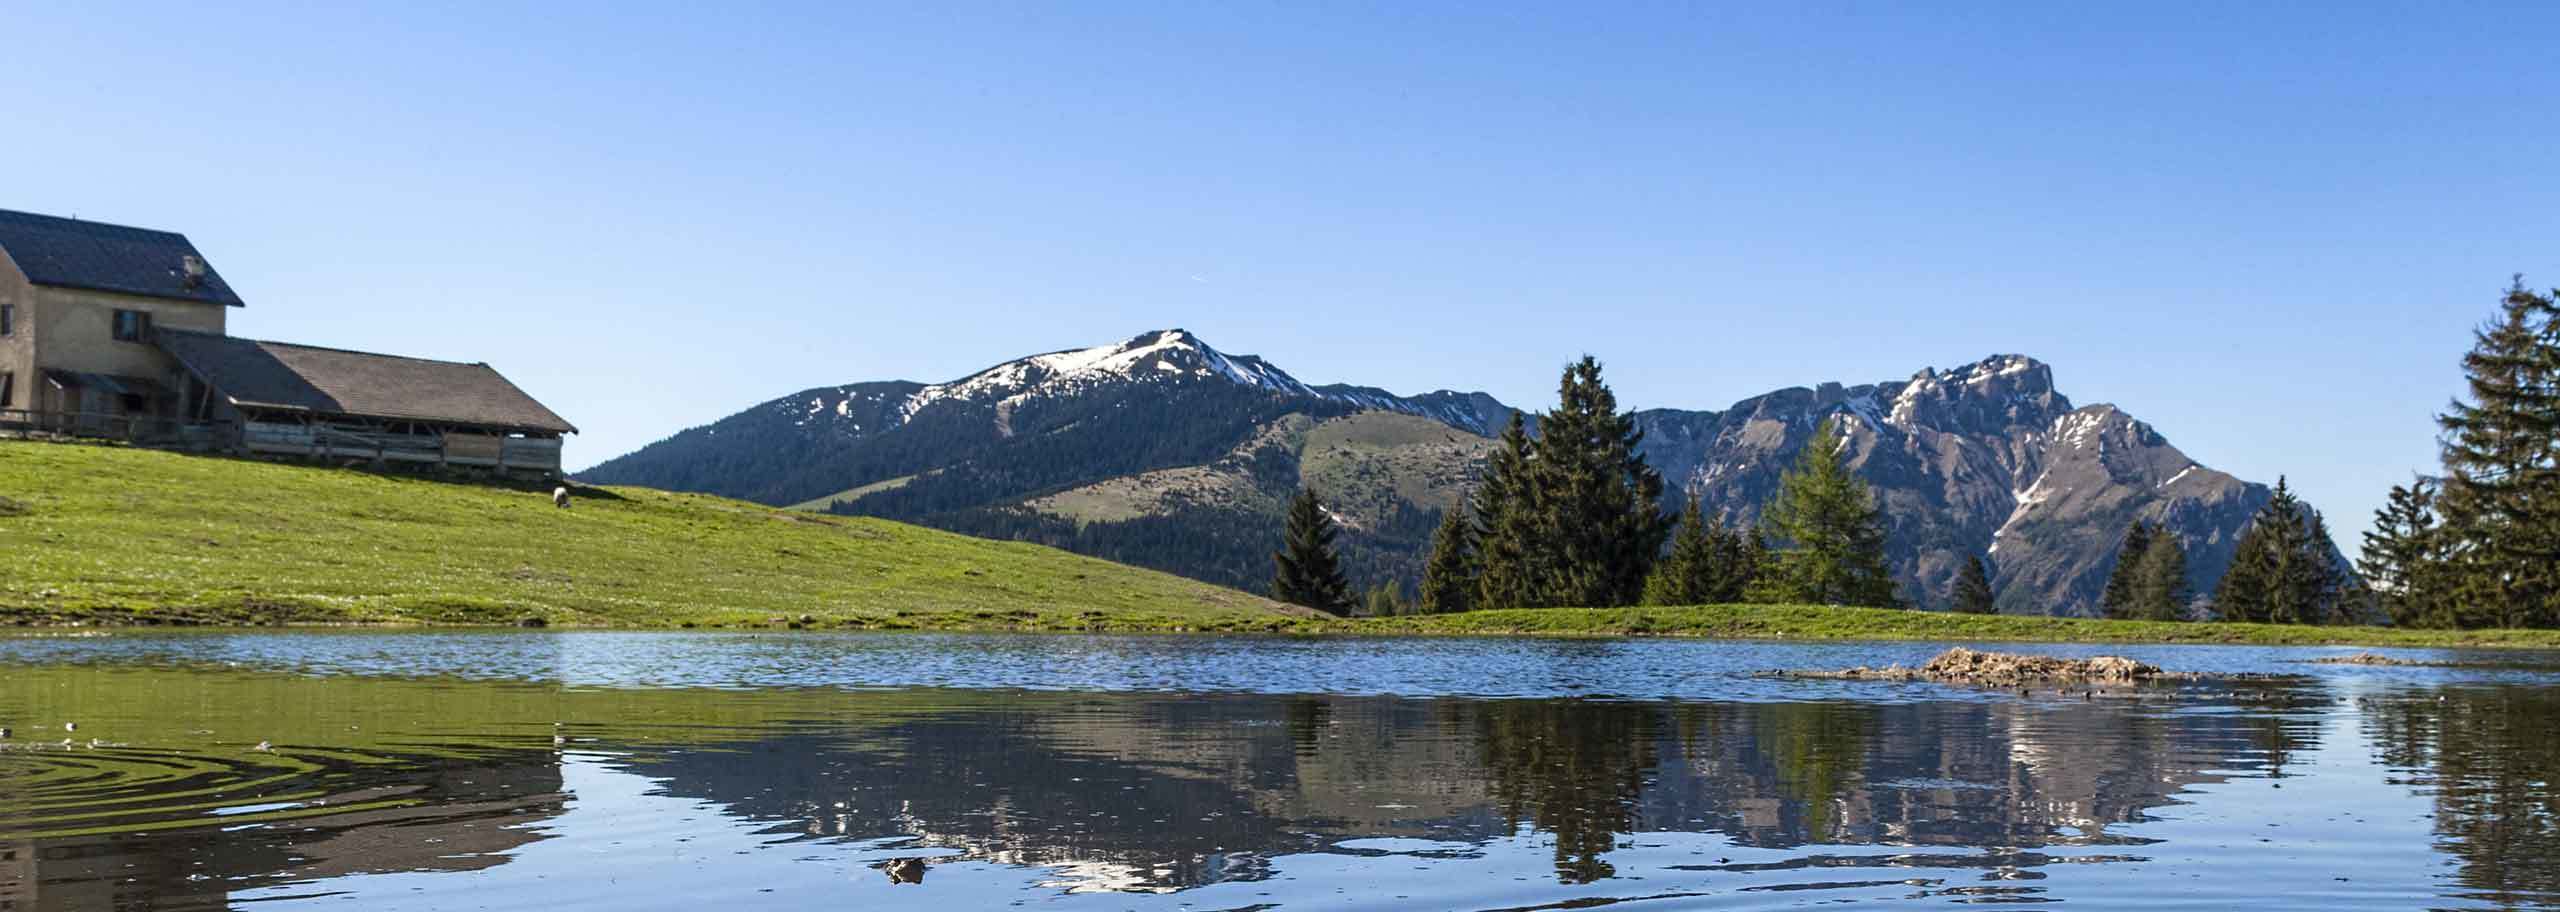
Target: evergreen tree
point(2283, 569)
point(2500, 499)
point(2160, 589)
point(1690, 574)
point(1385, 599)
point(1305, 570)
point(1745, 557)
point(1834, 539)
point(2117, 601)
point(1596, 498)
point(1449, 577)
point(2403, 560)
point(1506, 530)
point(1973, 588)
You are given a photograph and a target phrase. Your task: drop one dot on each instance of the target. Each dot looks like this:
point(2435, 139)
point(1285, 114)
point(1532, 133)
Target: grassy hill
point(114, 535)
point(120, 536)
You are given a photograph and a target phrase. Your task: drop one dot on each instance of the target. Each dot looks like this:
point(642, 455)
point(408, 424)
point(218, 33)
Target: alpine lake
point(594, 770)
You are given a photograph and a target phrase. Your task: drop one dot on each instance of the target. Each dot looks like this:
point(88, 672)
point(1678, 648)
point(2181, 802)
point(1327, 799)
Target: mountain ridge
point(1164, 439)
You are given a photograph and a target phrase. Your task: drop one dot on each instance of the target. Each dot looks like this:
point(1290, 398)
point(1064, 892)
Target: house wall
point(75, 330)
point(18, 350)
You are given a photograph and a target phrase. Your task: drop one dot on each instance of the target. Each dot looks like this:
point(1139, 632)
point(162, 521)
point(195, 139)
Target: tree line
point(1571, 518)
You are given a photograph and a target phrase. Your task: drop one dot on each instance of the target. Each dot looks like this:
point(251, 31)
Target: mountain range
point(1165, 452)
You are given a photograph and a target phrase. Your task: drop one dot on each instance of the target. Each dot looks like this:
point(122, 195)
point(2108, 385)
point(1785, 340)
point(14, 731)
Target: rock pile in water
point(2366, 658)
point(2008, 669)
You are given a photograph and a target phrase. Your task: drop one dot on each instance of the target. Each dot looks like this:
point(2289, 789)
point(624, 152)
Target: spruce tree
point(2283, 568)
point(1506, 531)
point(2160, 589)
point(1385, 599)
point(1598, 520)
point(1973, 588)
point(1745, 557)
point(2117, 600)
point(1305, 570)
point(2320, 587)
point(2242, 593)
point(2403, 561)
point(1449, 575)
point(1688, 575)
point(2500, 499)
point(1833, 537)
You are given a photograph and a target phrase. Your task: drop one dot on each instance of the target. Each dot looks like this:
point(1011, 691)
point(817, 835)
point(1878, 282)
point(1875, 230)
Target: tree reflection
point(2491, 758)
point(1571, 768)
point(1819, 754)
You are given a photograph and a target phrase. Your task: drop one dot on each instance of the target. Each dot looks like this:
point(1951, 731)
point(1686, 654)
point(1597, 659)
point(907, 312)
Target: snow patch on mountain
point(1164, 352)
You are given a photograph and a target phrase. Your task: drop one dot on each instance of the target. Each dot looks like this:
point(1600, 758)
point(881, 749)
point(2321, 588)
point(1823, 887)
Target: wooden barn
point(301, 400)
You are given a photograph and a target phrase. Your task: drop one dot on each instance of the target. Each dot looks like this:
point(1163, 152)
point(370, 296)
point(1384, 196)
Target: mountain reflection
point(1160, 793)
point(1148, 793)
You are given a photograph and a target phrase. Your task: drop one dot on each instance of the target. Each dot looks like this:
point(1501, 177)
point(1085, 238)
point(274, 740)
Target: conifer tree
point(2117, 600)
point(1305, 570)
point(2403, 561)
point(1386, 599)
point(1689, 575)
point(1834, 540)
point(1598, 522)
point(1449, 575)
point(1506, 532)
point(2160, 590)
point(2499, 502)
point(1745, 561)
point(1973, 588)
point(2282, 569)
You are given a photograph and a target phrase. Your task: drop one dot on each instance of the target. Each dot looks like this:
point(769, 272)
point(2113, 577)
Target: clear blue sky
point(2266, 232)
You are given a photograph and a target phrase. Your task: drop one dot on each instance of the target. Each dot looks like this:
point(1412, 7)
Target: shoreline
point(1765, 623)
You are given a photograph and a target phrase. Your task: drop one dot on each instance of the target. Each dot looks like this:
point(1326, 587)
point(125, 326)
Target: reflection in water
point(917, 798)
point(2491, 759)
point(296, 817)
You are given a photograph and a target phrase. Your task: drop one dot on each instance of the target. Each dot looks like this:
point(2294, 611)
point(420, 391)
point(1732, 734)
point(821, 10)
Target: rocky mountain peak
point(1164, 355)
point(2001, 391)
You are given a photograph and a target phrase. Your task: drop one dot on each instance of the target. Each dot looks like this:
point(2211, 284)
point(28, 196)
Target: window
point(8, 389)
point(133, 326)
point(8, 319)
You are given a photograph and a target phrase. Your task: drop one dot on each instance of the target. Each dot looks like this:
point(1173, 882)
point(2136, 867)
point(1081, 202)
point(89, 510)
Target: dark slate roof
point(329, 381)
point(70, 253)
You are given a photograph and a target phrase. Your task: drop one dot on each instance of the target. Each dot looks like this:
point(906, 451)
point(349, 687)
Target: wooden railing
point(320, 441)
point(108, 426)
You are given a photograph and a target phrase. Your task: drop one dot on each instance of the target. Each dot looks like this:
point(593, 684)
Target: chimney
point(193, 268)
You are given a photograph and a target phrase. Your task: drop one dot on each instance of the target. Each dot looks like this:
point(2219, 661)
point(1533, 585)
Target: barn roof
point(328, 381)
point(70, 253)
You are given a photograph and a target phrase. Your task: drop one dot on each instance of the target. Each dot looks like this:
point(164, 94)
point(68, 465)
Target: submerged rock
point(904, 870)
point(2008, 669)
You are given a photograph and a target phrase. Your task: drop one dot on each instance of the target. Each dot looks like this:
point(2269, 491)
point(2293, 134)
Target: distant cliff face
point(1983, 459)
point(1165, 452)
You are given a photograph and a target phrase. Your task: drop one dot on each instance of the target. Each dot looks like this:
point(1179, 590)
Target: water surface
point(679, 771)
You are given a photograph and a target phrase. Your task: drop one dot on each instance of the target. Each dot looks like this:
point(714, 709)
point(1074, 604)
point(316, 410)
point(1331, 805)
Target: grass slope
point(114, 535)
point(119, 536)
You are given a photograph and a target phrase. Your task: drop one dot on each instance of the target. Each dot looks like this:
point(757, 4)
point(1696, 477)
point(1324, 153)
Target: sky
point(2267, 232)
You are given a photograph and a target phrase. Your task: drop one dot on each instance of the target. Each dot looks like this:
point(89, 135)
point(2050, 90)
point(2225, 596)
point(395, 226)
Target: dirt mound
point(2009, 669)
